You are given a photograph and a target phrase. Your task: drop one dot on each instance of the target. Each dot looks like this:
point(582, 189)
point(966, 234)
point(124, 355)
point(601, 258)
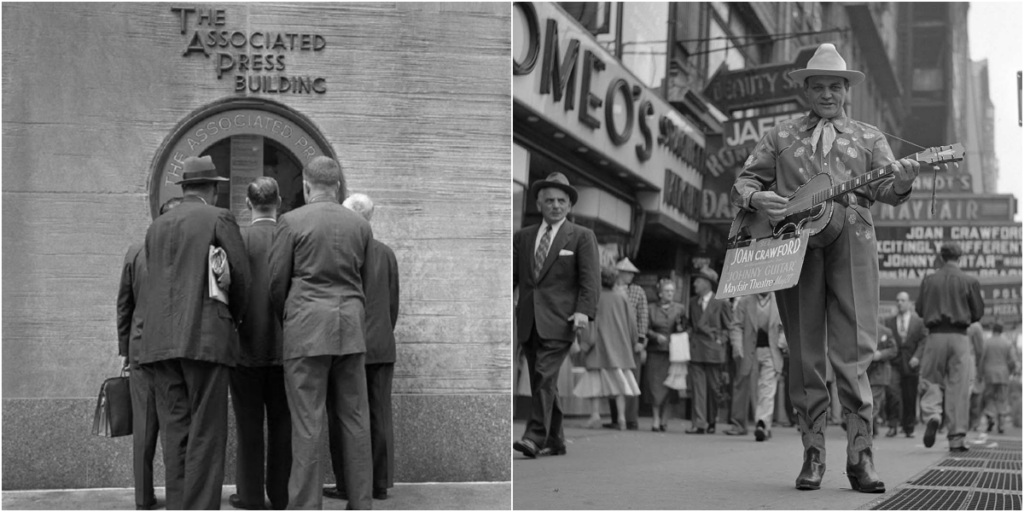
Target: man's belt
point(850, 198)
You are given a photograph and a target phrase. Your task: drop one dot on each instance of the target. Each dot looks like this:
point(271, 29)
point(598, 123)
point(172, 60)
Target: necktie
point(703, 304)
point(542, 252)
point(825, 128)
point(902, 328)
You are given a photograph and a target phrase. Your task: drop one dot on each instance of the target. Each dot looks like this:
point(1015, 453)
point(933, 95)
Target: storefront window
point(730, 41)
point(645, 30)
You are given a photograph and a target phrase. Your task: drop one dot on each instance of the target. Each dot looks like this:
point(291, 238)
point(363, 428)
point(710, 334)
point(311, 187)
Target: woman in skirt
point(607, 349)
point(667, 317)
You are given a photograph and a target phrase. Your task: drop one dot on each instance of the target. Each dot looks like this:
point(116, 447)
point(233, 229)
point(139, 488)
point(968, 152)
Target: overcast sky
point(994, 31)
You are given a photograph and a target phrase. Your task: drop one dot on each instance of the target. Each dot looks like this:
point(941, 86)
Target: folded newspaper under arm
point(218, 265)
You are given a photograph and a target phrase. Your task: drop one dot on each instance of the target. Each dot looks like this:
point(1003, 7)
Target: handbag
point(679, 348)
point(113, 417)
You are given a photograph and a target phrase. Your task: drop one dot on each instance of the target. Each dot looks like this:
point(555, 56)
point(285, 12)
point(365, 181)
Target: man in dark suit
point(318, 267)
point(557, 272)
point(908, 331)
point(190, 338)
point(257, 382)
point(131, 303)
point(381, 289)
point(708, 324)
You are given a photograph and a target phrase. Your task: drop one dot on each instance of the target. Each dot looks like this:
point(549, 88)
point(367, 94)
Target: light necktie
point(703, 304)
point(825, 131)
point(903, 326)
point(542, 252)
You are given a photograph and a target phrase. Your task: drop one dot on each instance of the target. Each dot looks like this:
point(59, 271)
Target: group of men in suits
point(304, 341)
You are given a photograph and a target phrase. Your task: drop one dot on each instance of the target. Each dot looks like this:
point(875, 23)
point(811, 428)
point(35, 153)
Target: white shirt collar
point(706, 298)
point(268, 219)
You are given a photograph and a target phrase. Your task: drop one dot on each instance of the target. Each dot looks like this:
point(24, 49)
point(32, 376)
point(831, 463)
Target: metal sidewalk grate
point(977, 453)
point(947, 478)
point(964, 463)
point(994, 501)
point(1001, 464)
point(1001, 481)
point(924, 499)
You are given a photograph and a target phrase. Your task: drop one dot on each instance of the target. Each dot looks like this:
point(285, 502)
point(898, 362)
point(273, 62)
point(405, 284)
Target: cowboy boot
point(860, 465)
point(813, 437)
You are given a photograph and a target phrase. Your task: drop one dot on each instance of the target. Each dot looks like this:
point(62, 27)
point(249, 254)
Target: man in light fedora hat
point(190, 340)
point(835, 303)
point(557, 270)
point(638, 300)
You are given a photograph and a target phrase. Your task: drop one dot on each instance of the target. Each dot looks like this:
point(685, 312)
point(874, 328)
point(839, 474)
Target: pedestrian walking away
point(757, 343)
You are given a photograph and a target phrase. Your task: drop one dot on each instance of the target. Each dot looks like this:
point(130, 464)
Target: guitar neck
point(858, 182)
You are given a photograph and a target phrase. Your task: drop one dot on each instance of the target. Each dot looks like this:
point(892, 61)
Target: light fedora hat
point(555, 180)
point(827, 61)
point(199, 170)
point(626, 266)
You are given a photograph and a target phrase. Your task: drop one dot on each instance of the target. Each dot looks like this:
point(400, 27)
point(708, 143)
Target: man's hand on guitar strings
point(770, 203)
point(905, 172)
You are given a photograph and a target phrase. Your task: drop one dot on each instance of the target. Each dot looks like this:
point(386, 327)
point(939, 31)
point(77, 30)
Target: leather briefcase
point(113, 417)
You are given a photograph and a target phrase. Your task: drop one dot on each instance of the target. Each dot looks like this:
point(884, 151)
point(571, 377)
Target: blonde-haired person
point(666, 317)
point(607, 347)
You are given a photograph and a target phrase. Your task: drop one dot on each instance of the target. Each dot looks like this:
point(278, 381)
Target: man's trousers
point(544, 358)
point(706, 393)
point(192, 405)
point(944, 374)
point(834, 304)
point(145, 427)
point(901, 404)
point(767, 381)
point(997, 400)
point(741, 383)
point(878, 398)
point(307, 380)
point(382, 437)
point(258, 393)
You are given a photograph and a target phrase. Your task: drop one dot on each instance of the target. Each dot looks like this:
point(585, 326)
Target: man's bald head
point(361, 204)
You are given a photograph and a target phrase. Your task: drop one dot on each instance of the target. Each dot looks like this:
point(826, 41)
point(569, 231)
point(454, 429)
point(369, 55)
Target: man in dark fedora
point(555, 266)
point(708, 323)
point(190, 338)
point(832, 311)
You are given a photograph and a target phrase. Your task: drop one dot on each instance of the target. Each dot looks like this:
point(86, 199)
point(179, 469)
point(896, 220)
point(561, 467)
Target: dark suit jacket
point(907, 347)
point(743, 333)
point(182, 321)
point(130, 303)
point(260, 335)
point(318, 269)
point(381, 288)
point(570, 281)
point(879, 372)
point(709, 330)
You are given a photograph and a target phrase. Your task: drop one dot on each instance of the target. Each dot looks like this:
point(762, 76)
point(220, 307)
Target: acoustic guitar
point(810, 206)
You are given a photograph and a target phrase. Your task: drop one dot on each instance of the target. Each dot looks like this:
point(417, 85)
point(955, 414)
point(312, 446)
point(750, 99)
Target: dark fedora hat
point(199, 170)
point(555, 180)
point(709, 274)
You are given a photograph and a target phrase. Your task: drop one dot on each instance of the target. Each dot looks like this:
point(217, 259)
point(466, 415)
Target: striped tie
point(542, 252)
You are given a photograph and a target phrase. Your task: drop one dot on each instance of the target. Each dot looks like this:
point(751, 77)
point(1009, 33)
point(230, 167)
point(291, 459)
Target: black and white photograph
point(256, 256)
point(767, 255)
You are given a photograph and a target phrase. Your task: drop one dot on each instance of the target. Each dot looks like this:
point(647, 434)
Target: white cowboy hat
point(627, 266)
point(827, 61)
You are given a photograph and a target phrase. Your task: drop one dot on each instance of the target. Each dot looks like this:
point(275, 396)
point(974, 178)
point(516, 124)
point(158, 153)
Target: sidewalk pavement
point(611, 469)
point(439, 496)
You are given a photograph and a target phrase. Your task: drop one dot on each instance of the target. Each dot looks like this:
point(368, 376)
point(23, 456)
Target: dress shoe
point(612, 425)
point(526, 447)
point(811, 472)
point(958, 449)
point(149, 506)
point(929, 432)
point(335, 493)
point(236, 502)
point(695, 430)
point(909, 435)
point(892, 432)
point(663, 427)
point(761, 433)
point(860, 464)
point(711, 428)
point(549, 451)
point(632, 425)
point(380, 494)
